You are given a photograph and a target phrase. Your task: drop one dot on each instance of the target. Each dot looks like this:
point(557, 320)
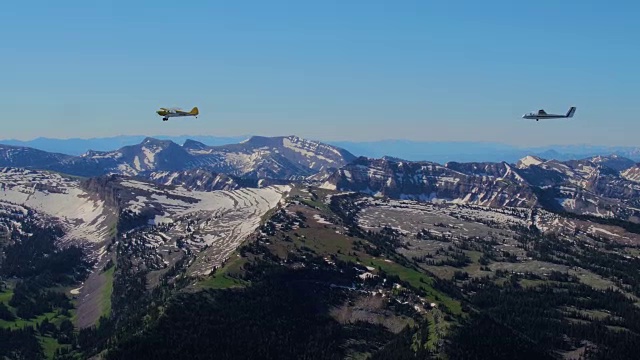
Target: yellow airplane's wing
point(193, 111)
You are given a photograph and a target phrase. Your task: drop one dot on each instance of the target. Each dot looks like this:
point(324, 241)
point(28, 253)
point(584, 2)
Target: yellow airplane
point(166, 113)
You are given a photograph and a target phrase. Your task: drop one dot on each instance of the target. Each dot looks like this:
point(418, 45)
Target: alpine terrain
point(286, 248)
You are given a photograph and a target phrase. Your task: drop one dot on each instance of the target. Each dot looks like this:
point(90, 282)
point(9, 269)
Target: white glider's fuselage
point(541, 114)
point(548, 116)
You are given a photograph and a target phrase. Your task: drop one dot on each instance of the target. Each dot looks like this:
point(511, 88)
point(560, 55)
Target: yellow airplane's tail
point(194, 111)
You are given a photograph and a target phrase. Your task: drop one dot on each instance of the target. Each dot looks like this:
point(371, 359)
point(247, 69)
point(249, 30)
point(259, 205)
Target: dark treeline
point(20, 344)
point(624, 271)
point(410, 344)
point(543, 315)
point(30, 299)
point(283, 315)
point(481, 337)
point(39, 264)
point(346, 209)
point(5, 313)
point(37, 254)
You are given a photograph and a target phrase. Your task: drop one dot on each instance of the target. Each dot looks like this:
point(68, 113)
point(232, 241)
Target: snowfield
point(306, 148)
point(209, 224)
point(179, 201)
point(84, 218)
point(413, 215)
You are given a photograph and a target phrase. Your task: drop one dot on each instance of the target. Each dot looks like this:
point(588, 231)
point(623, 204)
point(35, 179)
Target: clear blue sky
point(330, 70)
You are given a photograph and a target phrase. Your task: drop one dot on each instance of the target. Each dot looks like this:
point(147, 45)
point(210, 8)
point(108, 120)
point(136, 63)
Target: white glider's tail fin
point(571, 111)
point(194, 111)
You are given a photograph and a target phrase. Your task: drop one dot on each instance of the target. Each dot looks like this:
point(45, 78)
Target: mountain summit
point(284, 157)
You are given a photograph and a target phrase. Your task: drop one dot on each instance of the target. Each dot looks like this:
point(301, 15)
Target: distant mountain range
point(443, 152)
point(285, 157)
point(440, 152)
point(77, 146)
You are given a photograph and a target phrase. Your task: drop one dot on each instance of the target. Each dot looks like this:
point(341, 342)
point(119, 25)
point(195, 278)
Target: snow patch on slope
point(632, 174)
point(304, 149)
point(52, 194)
point(223, 219)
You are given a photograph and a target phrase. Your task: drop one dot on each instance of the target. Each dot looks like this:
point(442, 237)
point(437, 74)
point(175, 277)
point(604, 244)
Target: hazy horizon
point(436, 151)
point(325, 140)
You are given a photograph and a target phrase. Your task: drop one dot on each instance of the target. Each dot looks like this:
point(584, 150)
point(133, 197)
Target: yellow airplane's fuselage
point(167, 113)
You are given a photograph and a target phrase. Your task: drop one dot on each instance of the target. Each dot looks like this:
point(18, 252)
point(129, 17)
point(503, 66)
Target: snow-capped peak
point(529, 160)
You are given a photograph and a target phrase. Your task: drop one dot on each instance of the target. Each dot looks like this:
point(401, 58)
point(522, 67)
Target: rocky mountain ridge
point(286, 157)
point(587, 187)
